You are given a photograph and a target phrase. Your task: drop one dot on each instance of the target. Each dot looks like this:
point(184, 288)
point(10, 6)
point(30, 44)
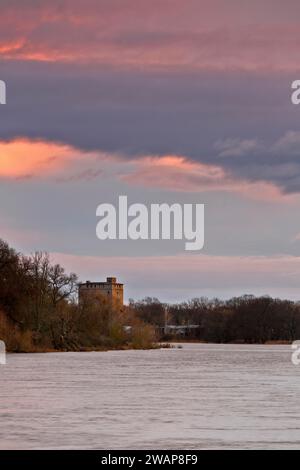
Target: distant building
point(111, 290)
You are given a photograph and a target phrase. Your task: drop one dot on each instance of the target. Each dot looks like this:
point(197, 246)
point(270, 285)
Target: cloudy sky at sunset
point(163, 101)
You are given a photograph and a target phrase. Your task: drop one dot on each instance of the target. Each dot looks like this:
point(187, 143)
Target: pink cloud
point(178, 173)
point(204, 35)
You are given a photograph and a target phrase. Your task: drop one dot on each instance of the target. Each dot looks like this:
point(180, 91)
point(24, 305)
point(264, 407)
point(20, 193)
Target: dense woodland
point(245, 319)
point(39, 311)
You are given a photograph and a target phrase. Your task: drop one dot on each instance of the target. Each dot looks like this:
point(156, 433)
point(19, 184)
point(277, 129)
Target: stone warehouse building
point(111, 290)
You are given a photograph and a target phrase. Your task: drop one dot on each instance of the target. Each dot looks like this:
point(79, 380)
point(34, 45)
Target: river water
point(197, 397)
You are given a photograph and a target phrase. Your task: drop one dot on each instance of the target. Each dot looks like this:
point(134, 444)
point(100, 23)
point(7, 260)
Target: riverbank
point(126, 347)
point(174, 344)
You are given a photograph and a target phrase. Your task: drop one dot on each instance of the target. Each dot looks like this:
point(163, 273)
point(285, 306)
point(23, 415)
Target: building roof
point(97, 283)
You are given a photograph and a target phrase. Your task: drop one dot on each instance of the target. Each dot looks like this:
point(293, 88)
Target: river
point(196, 397)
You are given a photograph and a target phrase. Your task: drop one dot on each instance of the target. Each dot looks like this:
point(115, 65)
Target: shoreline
point(163, 345)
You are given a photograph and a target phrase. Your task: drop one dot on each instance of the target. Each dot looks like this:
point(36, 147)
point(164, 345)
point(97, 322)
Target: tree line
point(245, 319)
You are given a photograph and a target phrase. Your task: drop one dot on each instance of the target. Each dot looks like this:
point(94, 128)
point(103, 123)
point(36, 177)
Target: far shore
point(181, 340)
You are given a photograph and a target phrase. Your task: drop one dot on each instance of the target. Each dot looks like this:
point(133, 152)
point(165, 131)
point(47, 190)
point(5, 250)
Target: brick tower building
point(111, 290)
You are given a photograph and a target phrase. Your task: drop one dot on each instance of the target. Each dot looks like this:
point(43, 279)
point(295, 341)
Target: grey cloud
point(240, 122)
point(236, 147)
point(277, 162)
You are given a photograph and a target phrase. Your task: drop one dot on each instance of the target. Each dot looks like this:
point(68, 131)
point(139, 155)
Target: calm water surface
point(197, 397)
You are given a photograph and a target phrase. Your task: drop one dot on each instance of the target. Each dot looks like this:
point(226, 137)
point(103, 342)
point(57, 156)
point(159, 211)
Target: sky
point(184, 101)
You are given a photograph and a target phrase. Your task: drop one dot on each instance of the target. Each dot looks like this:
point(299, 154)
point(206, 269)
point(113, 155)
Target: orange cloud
point(8, 48)
point(25, 159)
